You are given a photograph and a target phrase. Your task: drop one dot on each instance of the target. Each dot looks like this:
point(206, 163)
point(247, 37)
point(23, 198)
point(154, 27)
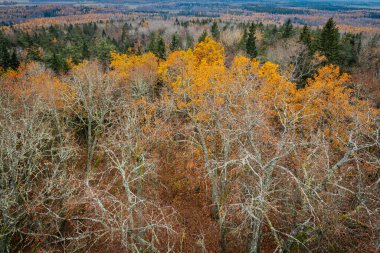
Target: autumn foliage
point(280, 167)
point(33, 79)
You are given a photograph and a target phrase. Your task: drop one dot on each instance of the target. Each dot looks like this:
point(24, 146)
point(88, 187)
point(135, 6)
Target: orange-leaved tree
point(33, 80)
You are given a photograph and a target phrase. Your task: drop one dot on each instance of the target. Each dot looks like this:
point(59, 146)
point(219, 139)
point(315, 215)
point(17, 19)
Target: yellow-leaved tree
point(329, 104)
point(197, 78)
point(138, 72)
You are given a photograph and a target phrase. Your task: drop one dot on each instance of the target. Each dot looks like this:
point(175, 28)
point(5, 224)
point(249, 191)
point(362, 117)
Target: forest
point(145, 132)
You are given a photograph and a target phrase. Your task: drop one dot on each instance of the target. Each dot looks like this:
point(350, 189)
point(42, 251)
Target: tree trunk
point(223, 242)
point(255, 241)
point(213, 177)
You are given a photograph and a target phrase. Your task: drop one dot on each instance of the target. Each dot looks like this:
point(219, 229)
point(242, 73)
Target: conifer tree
point(4, 57)
point(57, 63)
point(287, 29)
point(215, 31)
point(274, 30)
point(350, 46)
point(329, 41)
point(251, 42)
point(160, 48)
point(175, 43)
point(203, 36)
point(243, 40)
point(14, 62)
point(124, 34)
point(305, 36)
point(152, 46)
point(85, 51)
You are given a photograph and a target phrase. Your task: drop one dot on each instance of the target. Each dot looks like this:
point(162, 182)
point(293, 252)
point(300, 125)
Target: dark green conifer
point(329, 41)
point(305, 36)
point(85, 51)
point(215, 31)
point(160, 48)
point(5, 58)
point(14, 62)
point(203, 36)
point(251, 42)
point(175, 43)
point(243, 40)
point(287, 29)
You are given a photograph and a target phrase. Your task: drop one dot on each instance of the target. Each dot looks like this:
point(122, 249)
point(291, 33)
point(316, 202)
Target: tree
point(189, 40)
point(152, 46)
point(215, 31)
point(175, 43)
point(251, 42)
point(203, 36)
point(14, 62)
point(103, 47)
point(197, 79)
point(58, 63)
point(5, 58)
point(283, 157)
point(161, 48)
point(138, 73)
point(243, 40)
point(350, 48)
point(287, 29)
point(124, 34)
point(157, 46)
point(27, 182)
point(91, 104)
point(85, 51)
point(305, 36)
point(329, 41)
point(127, 144)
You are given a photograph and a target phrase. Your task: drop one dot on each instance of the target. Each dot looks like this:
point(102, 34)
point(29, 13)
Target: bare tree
point(92, 100)
point(35, 154)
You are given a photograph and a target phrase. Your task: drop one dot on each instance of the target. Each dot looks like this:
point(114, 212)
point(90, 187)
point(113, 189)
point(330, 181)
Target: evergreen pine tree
point(251, 42)
point(85, 51)
point(152, 46)
point(329, 41)
point(243, 40)
point(350, 49)
point(70, 29)
point(274, 30)
point(124, 33)
point(14, 62)
point(215, 31)
point(175, 43)
point(102, 49)
point(305, 36)
point(287, 29)
point(4, 57)
point(203, 36)
point(55, 63)
point(160, 47)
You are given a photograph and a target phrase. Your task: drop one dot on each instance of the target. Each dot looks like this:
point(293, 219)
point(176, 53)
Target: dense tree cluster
point(57, 45)
point(113, 159)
